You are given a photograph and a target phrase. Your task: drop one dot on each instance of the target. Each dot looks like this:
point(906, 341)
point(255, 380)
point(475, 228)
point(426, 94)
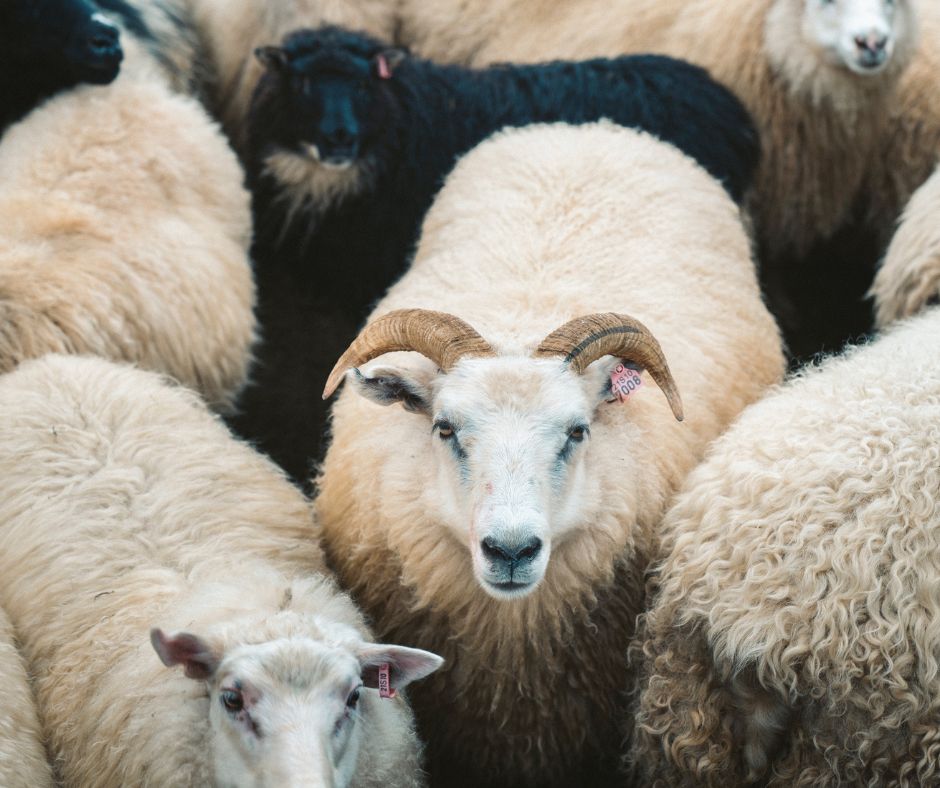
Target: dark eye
point(445, 430)
point(576, 434)
point(353, 699)
point(232, 700)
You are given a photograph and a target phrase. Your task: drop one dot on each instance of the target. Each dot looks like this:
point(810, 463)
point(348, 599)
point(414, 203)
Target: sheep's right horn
point(439, 336)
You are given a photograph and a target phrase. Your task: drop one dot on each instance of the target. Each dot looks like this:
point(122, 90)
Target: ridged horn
point(443, 338)
point(585, 339)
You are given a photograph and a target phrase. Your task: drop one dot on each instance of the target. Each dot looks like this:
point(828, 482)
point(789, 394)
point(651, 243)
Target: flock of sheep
point(566, 495)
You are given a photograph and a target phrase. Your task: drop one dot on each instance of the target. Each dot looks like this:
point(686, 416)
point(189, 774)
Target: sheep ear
point(197, 657)
point(405, 664)
point(603, 375)
point(272, 58)
point(387, 385)
point(388, 60)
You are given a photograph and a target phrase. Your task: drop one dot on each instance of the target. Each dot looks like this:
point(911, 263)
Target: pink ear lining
point(382, 65)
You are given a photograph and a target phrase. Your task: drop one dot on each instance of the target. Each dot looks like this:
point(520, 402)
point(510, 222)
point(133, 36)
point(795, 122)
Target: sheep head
point(287, 711)
point(512, 431)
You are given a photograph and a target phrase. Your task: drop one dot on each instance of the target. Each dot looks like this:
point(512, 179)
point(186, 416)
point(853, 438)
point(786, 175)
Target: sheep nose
point(511, 554)
point(873, 43)
point(340, 137)
point(104, 39)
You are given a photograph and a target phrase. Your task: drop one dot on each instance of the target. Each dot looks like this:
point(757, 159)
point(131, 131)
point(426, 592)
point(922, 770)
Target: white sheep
point(795, 637)
point(909, 277)
point(125, 234)
point(23, 761)
point(504, 515)
point(843, 96)
point(230, 33)
point(135, 508)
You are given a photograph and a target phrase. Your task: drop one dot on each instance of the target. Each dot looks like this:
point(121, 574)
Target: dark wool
point(319, 274)
point(47, 46)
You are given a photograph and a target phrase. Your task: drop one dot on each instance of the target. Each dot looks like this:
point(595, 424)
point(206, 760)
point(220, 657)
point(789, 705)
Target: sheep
point(793, 639)
point(909, 277)
point(138, 511)
point(843, 97)
point(23, 761)
point(51, 45)
point(349, 141)
point(126, 231)
point(503, 517)
point(229, 33)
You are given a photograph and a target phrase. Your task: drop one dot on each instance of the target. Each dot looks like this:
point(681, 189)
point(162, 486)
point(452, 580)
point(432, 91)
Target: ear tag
point(624, 381)
point(382, 64)
point(385, 689)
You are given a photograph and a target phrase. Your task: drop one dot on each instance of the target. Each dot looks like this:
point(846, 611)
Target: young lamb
point(230, 32)
point(844, 98)
point(795, 638)
point(51, 45)
point(137, 509)
point(909, 277)
point(125, 234)
point(504, 515)
point(349, 142)
point(23, 761)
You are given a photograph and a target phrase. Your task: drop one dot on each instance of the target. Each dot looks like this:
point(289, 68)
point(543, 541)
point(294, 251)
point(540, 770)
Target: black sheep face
point(325, 98)
point(67, 41)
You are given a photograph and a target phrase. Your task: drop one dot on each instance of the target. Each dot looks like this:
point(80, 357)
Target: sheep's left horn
point(439, 336)
point(585, 339)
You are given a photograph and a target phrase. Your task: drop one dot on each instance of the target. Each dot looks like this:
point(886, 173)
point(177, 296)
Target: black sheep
point(50, 45)
point(348, 142)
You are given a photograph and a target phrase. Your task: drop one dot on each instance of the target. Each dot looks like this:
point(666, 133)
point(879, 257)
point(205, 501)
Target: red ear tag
point(385, 689)
point(624, 381)
point(384, 71)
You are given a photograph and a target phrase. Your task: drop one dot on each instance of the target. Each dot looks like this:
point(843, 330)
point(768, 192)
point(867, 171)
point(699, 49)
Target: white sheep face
point(511, 434)
point(860, 35)
point(286, 712)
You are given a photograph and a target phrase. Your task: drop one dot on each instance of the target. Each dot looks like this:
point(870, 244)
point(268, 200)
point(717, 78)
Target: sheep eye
point(353, 699)
point(445, 430)
point(576, 434)
point(232, 701)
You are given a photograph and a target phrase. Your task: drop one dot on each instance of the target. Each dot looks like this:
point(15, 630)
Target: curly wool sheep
point(47, 46)
point(351, 139)
point(504, 516)
point(231, 32)
point(23, 761)
point(844, 99)
point(137, 509)
point(909, 277)
point(125, 234)
point(794, 639)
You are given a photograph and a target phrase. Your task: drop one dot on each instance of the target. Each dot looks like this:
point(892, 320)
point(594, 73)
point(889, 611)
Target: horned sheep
point(504, 515)
point(23, 761)
point(794, 637)
point(350, 139)
point(844, 98)
point(137, 510)
point(126, 231)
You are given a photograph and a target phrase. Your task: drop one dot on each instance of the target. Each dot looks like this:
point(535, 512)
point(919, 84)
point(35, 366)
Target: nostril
point(530, 550)
point(493, 550)
point(877, 43)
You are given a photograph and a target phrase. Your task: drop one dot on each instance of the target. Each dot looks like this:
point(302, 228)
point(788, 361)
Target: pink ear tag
point(382, 64)
point(624, 381)
point(385, 683)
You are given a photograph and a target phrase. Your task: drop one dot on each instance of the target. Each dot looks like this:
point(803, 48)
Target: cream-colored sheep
point(23, 761)
point(507, 521)
point(849, 130)
point(795, 638)
point(909, 276)
point(125, 234)
point(125, 505)
point(230, 33)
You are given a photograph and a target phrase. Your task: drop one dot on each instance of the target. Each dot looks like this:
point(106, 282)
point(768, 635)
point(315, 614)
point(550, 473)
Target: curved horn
point(443, 338)
point(585, 339)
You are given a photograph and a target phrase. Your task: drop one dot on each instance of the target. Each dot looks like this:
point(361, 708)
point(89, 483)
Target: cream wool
point(137, 509)
point(231, 32)
point(22, 754)
point(532, 228)
point(795, 636)
point(125, 234)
